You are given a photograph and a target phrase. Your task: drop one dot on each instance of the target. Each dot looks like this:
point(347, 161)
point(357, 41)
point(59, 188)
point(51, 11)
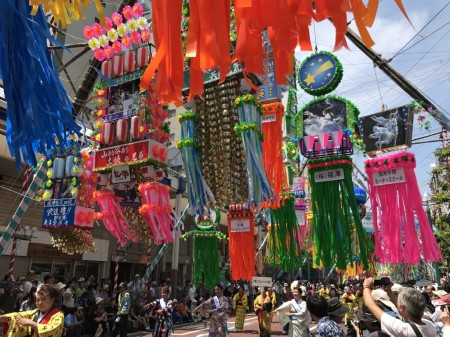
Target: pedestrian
point(240, 305)
point(162, 308)
point(264, 305)
point(326, 327)
point(124, 304)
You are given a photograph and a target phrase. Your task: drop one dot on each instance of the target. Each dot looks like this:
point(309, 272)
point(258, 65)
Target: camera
point(384, 281)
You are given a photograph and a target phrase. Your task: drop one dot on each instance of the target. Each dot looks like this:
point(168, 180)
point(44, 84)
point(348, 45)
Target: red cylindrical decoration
point(122, 130)
point(135, 129)
point(107, 68)
point(116, 269)
point(129, 64)
point(107, 134)
point(117, 65)
point(142, 57)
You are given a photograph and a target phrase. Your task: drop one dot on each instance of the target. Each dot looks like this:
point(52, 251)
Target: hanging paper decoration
point(298, 191)
point(221, 152)
point(199, 193)
point(39, 111)
point(206, 250)
point(112, 216)
point(396, 202)
point(249, 129)
point(241, 234)
point(157, 211)
point(320, 73)
point(285, 237)
point(72, 241)
point(272, 153)
point(337, 225)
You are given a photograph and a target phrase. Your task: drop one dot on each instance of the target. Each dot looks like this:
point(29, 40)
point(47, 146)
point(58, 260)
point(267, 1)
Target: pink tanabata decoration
point(396, 204)
point(157, 211)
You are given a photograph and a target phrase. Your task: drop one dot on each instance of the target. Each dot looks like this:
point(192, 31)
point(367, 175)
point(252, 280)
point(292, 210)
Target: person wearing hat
point(297, 314)
point(135, 287)
point(124, 304)
point(318, 309)
point(411, 306)
point(336, 310)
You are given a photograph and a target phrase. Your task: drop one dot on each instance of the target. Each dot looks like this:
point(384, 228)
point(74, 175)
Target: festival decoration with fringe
point(272, 149)
point(337, 225)
point(112, 216)
point(285, 237)
point(396, 201)
point(199, 193)
point(157, 211)
point(206, 250)
point(39, 112)
point(241, 234)
point(72, 240)
point(249, 128)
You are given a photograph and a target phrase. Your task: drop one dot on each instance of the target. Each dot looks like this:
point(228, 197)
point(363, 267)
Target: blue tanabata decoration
point(39, 111)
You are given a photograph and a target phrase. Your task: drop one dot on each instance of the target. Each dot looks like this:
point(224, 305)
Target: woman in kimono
point(217, 308)
point(240, 306)
point(264, 304)
point(162, 310)
point(45, 321)
point(296, 313)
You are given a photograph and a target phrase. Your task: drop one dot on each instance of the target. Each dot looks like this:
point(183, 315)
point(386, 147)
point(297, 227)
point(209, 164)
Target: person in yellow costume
point(45, 321)
point(240, 306)
point(324, 292)
point(359, 297)
point(264, 304)
point(349, 300)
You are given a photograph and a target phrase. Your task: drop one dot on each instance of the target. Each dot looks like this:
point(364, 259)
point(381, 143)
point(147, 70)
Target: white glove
point(117, 319)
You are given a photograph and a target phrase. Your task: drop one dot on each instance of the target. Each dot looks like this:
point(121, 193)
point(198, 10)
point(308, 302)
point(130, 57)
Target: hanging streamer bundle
point(157, 211)
point(241, 233)
point(396, 201)
point(199, 192)
point(249, 129)
point(39, 111)
point(335, 213)
point(112, 216)
point(285, 237)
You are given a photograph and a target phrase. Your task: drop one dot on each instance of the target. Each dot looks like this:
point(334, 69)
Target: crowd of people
point(85, 307)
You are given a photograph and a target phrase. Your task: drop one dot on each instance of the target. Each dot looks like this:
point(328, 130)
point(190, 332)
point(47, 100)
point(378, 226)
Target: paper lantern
point(361, 195)
point(107, 134)
point(59, 165)
point(117, 65)
point(122, 130)
point(141, 57)
point(135, 129)
point(107, 68)
point(129, 63)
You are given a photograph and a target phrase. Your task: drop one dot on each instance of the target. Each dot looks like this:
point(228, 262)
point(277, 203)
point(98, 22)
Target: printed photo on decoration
point(126, 194)
point(324, 116)
point(387, 130)
point(120, 100)
point(64, 189)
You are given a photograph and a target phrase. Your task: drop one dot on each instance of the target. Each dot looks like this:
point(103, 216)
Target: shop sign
point(240, 225)
point(387, 177)
point(329, 175)
point(120, 174)
point(59, 212)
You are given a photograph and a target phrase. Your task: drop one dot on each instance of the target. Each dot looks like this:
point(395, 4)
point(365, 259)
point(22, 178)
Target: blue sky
point(425, 64)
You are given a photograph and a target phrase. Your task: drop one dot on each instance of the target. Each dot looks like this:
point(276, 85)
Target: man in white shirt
point(411, 306)
point(31, 275)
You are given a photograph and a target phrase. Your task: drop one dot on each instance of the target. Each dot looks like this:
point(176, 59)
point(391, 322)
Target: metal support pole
point(176, 248)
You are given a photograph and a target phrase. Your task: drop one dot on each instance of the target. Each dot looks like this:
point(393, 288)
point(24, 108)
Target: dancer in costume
point(349, 300)
point(263, 305)
point(45, 321)
point(240, 306)
point(296, 313)
point(217, 307)
point(162, 308)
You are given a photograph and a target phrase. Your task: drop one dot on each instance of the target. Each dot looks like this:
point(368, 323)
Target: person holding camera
point(411, 306)
point(263, 305)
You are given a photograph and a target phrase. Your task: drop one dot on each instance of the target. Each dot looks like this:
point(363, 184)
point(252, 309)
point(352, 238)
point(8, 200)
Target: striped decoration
point(38, 178)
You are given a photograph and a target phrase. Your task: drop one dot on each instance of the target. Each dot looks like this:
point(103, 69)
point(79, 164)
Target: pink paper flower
point(117, 47)
point(97, 29)
point(128, 12)
point(109, 23)
point(99, 54)
point(117, 18)
point(126, 41)
point(109, 52)
point(137, 9)
point(135, 37)
point(145, 35)
point(88, 32)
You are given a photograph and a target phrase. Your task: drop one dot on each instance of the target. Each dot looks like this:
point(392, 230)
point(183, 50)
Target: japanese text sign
point(240, 225)
point(329, 175)
point(387, 177)
point(59, 213)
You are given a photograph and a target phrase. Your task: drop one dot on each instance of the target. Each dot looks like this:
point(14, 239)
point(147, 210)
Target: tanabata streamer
point(249, 128)
point(157, 211)
point(285, 237)
point(199, 193)
point(396, 201)
point(112, 216)
point(335, 213)
point(241, 242)
point(39, 110)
